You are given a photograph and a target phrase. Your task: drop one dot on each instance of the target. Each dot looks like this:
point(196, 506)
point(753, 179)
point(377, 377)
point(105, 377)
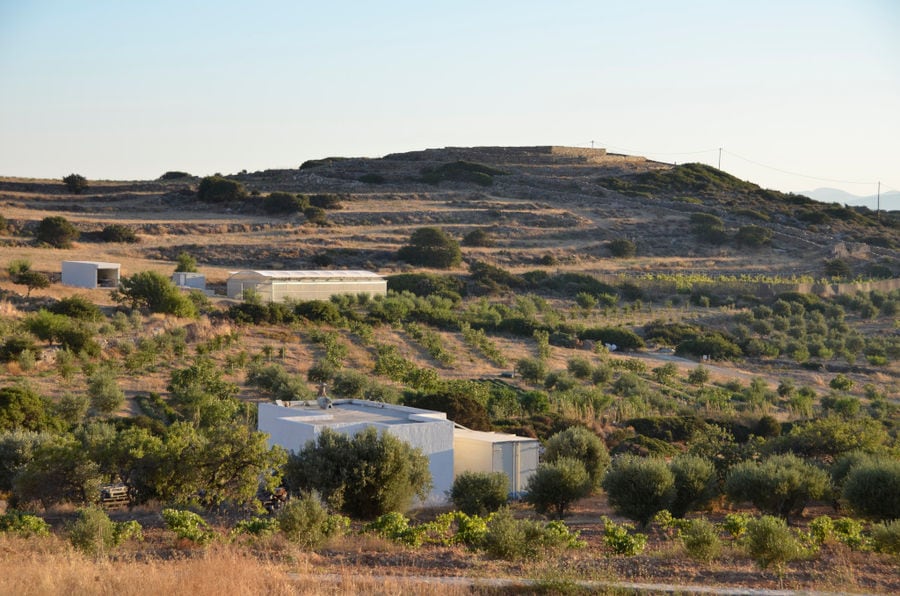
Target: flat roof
point(311, 274)
point(99, 264)
point(350, 411)
point(488, 437)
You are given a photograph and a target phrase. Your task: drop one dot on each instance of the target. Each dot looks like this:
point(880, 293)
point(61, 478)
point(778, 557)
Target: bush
point(284, 203)
point(326, 201)
point(431, 247)
point(886, 537)
point(580, 443)
point(174, 175)
point(622, 248)
point(156, 293)
point(480, 493)
point(118, 233)
point(511, 539)
point(639, 487)
point(217, 189)
point(872, 489)
point(556, 485)
point(620, 539)
point(781, 485)
point(701, 540)
point(316, 216)
point(75, 183)
point(364, 476)
point(187, 525)
point(696, 483)
point(306, 521)
point(770, 543)
point(185, 263)
point(478, 237)
point(77, 307)
point(532, 370)
point(57, 232)
point(753, 236)
point(23, 525)
point(94, 534)
point(260, 527)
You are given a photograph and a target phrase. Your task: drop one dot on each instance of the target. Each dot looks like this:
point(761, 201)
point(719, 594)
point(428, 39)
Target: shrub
point(532, 370)
point(580, 443)
point(174, 175)
point(364, 476)
point(512, 539)
point(77, 307)
point(372, 178)
point(638, 487)
point(696, 483)
point(307, 522)
point(57, 232)
point(395, 526)
point(325, 201)
point(316, 216)
point(431, 247)
point(622, 248)
point(23, 524)
point(838, 268)
point(94, 534)
point(872, 489)
point(886, 537)
point(620, 539)
point(187, 525)
point(701, 540)
point(156, 293)
point(260, 527)
point(770, 543)
point(105, 394)
point(753, 236)
point(478, 237)
point(284, 203)
point(480, 493)
point(736, 524)
point(118, 233)
point(217, 189)
point(781, 485)
point(75, 183)
point(186, 263)
point(556, 485)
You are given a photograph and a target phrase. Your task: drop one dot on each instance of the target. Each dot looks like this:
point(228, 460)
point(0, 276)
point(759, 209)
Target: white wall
point(79, 275)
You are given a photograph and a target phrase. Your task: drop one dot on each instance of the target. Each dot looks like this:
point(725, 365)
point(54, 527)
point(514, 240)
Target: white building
point(189, 279)
point(293, 424)
point(450, 448)
point(277, 286)
point(90, 274)
point(478, 451)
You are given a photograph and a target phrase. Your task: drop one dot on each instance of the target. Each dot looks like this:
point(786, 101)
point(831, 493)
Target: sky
point(790, 94)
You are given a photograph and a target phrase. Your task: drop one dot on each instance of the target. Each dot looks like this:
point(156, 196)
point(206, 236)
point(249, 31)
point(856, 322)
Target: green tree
point(753, 236)
point(156, 293)
point(770, 543)
point(841, 382)
point(17, 448)
point(118, 233)
point(75, 183)
point(105, 394)
point(639, 487)
point(622, 248)
point(59, 472)
point(186, 263)
point(532, 370)
point(306, 521)
point(696, 483)
point(431, 247)
point(478, 237)
point(217, 189)
point(363, 476)
point(872, 489)
point(580, 443)
point(23, 408)
point(780, 485)
point(480, 493)
point(57, 232)
point(77, 307)
point(556, 486)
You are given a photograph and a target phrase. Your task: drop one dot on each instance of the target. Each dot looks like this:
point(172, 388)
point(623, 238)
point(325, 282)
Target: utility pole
point(720, 158)
point(878, 202)
point(592, 144)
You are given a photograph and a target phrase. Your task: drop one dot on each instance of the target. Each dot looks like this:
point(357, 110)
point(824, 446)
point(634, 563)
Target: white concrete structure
point(277, 286)
point(292, 424)
point(90, 274)
point(478, 451)
point(189, 279)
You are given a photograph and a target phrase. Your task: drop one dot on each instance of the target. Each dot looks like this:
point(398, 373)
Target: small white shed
point(90, 274)
point(189, 279)
point(278, 286)
point(478, 451)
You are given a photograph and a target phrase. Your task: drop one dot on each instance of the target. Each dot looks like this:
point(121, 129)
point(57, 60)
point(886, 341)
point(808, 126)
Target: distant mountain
point(890, 201)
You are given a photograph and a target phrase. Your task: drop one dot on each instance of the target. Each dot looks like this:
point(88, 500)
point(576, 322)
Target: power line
point(762, 165)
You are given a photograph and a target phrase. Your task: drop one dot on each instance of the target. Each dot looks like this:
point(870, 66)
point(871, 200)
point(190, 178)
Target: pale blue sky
point(119, 89)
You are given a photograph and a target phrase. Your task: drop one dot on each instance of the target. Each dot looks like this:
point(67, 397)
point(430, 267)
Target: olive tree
point(556, 485)
point(639, 487)
point(480, 493)
point(580, 443)
point(75, 183)
point(156, 293)
point(872, 489)
point(57, 232)
point(781, 485)
point(431, 247)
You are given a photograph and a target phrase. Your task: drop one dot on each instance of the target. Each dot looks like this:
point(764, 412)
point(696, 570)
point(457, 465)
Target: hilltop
point(543, 206)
